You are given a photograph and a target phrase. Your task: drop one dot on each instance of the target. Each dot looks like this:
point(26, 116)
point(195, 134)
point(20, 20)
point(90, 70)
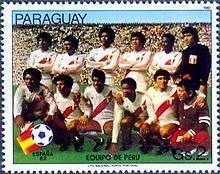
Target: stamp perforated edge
point(215, 77)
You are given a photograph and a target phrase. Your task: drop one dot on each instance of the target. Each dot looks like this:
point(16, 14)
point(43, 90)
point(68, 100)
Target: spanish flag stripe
point(33, 148)
point(26, 134)
point(26, 143)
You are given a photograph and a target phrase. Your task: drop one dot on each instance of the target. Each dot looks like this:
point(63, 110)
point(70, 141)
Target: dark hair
point(188, 87)
point(68, 81)
point(99, 74)
point(46, 36)
point(170, 37)
point(131, 82)
point(140, 36)
point(192, 31)
point(109, 31)
point(161, 72)
point(33, 72)
point(73, 40)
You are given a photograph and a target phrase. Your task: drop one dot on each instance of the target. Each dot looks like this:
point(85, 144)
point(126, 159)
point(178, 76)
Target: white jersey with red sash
point(44, 59)
point(73, 64)
point(110, 57)
point(140, 100)
point(167, 61)
point(66, 107)
point(164, 112)
point(102, 111)
point(142, 60)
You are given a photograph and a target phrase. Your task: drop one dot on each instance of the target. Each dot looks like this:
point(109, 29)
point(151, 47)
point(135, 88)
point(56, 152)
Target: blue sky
point(131, 16)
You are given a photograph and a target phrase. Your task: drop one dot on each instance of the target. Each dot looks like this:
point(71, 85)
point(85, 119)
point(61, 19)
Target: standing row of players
point(192, 64)
point(168, 116)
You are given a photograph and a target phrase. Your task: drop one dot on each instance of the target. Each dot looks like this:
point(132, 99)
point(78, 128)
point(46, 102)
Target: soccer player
point(194, 121)
point(70, 63)
point(68, 108)
point(137, 62)
point(163, 122)
point(106, 57)
point(43, 58)
point(129, 112)
point(196, 61)
point(98, 113)
point(33, 101)
point(166, 59)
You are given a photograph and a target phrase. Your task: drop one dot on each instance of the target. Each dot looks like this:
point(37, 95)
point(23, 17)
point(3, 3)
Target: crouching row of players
point(171, 117)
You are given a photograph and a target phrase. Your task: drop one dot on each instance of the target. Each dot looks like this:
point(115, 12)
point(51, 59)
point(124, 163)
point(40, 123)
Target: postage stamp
point(110, 87)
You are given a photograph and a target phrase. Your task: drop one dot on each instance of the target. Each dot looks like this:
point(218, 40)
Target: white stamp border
point(7, 84)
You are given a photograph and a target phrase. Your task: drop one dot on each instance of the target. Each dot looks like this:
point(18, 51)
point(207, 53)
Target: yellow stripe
point(25, 144)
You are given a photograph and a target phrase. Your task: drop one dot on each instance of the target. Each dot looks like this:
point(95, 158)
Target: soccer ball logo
point(42, 134)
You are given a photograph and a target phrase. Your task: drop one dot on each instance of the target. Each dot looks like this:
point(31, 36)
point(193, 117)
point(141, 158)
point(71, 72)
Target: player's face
point(181, 92)
point(98, 84)
point(127, 90)
point(188, 39)
point(105, 39)
point(136, 44)
point(30, 82)
point(43, 43)
point(65, 91)
point(161, 82)
point(166, 43)
point(68, 47)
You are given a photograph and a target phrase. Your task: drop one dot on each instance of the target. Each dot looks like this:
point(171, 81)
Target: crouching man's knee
point(40, 109)
point(167, 130)
point(108, 128)
point(164, 133)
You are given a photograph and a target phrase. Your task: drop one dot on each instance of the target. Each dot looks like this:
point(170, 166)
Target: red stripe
point(164, 106)
point(32, 148)
point(127, 71)
point(68, 111)
point(102, 105)
point(43, 61)
point(25, 135)
point(103, 59)
point(168, 62)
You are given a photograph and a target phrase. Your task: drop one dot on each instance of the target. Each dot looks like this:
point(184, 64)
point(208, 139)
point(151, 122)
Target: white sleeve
point(144, 63)
point(18, 99)
point(56, 65)
point(126, 64)
point(118, 114)
point(50, 100)
point(75, 88)
point(153, 65)
point(86, 109)
point(176, 62)
point(47, 67)
point(91, 54)
point(76, 66)
point(129, 105)
point(86, 93)
point(91, 62)
point(31, 61)
point(150, 111)
point(114, 61)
